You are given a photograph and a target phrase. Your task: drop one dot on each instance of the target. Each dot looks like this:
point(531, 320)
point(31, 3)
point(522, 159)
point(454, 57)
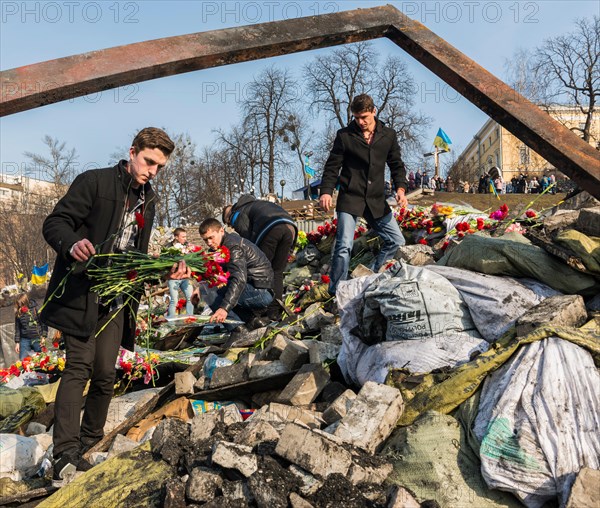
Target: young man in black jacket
point(250, 285)
point(362, 150)
point(97, 214)
point(271, 228)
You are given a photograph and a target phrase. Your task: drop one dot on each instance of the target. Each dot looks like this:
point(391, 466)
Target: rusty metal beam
point(64, 78)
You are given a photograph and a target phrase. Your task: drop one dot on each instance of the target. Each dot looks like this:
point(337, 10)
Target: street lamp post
point(282, 183)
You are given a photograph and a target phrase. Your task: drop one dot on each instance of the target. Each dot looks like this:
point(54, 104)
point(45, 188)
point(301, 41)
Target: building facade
point(495, 147)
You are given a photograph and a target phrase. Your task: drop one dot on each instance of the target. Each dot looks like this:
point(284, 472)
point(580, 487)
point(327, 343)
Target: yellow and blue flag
point(39, 274)
point(307, 169)
point(442, 140)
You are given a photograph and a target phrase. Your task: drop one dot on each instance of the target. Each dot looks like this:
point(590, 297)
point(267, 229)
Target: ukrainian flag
point(39, 274)
point(308, 170)
point(442, 140)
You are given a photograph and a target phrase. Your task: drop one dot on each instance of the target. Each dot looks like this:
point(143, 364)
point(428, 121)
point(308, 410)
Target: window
point(524, 155)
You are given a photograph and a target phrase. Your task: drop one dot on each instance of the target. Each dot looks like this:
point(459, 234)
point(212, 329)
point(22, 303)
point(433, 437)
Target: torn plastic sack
point(407, 317)
point(495, 302)
point(538, 421)
point(515, 256)
point(19, 456)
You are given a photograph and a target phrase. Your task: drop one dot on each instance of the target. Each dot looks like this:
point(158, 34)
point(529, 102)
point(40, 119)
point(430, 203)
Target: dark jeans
point(87, 358)
point(277, 245)
point(251, 299)
point(29, 346)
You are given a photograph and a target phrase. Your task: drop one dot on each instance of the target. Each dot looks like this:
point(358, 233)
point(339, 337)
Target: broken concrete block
point(331, 334)
point(174, 493)
point(229, 415)
point(166, 438)
point(315, 317)
point(297, 501)
point(305, 386)
point(585, 492)
point(184, 383)
point(312, 451)
point(234, 490)
point(202, 485)
point(201, 384)
point(369, 473)
point(264, 398)
point(416, 255)
point(97, 458)
point(561, 310)
point(257, 431)
point(246, 357)
point(401, 498)
point(34, 428)
point(308, 483)
point(229, 375)
point(361, 271)
point(323, 351)
point(339, 408)
point(121, 444)
point(273, 349)
point(263, 369)
point(276, 413)
point(372, 417)
point(294, 355)
point(202, 426)
point(235, 456)
point(331, 392)
point(589, 221)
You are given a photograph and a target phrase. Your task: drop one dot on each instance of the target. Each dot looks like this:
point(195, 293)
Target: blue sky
point(489, 32)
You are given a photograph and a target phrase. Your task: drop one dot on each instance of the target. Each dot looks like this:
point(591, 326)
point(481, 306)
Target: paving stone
point(372, 417)
point(332, 391)
point(262, 369)
point(315, 317)
point(401, 498)
point(561, 310)
point(339, 408)
point(203, 425)
point(589, 221)
point(235, 456)
point(308, 483)
point(416, 255)
point(202, 485)
point(369, 474)
point(305, 386)
point(276, 413)
point(585, 492)
point(264, 398)
point(229, 415)
point(35, 428)
point(331, 334)
point(121, 444)
point(201, 383)
point(174, 494)
point(312, 451)
point(184, 383)
point(257, 431)
point(169, 433)
point(229, 375)
point(271, 484)
point(361, 271)
point(294, 355)
point(322, 351)
point(297, 501)
point(234, 490)
point(273, 349)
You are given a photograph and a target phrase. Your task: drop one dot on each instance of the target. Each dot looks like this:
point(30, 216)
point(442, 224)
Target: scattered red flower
point(139, 219)
point(24, 310)
point(422, 241)
point(325, 279)
point(131, 274)
point(531, 214)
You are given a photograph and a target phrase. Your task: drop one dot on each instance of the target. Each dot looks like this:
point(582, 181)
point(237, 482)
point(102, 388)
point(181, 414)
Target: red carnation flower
point(55, 345)
point(325, 279)
point(531, 213)
point(422, 241)
point(24, 310)
point(139, 219)
point(131, 274)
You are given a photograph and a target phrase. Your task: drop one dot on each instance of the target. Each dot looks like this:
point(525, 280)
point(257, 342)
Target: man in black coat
point(362, 150)
point(104, 210)
point(271, 228)
point(249, 287)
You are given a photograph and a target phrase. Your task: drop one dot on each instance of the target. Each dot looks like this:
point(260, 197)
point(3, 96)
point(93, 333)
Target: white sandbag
point(495, 302)
point(538, 421)
point(425, 324)
point(19, 456)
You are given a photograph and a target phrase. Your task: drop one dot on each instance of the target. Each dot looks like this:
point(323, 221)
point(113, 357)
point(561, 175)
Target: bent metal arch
point(48, 82)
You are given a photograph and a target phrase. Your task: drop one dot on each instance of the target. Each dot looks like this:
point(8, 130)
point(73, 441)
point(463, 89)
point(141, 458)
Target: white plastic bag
point(538, 421)
point(19, 456)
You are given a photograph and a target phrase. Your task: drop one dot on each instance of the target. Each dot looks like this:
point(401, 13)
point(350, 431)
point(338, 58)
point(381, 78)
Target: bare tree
point(336, 78)
point(59, 167)
point(571, 63)
point(266, 107)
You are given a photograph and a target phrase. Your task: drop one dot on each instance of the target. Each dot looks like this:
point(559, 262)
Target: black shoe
point(88, 443)
point(65, 468)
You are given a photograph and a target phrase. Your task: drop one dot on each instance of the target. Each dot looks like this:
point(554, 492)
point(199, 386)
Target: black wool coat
point(362, 177)
point(92, 208)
